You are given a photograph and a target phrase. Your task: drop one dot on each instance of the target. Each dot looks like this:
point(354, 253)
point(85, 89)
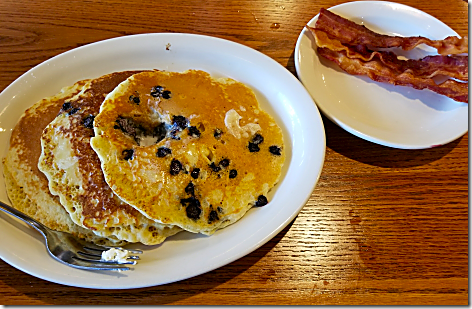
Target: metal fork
point(71, 250)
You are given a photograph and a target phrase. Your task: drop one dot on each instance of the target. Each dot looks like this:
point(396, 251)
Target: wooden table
point(383, 226)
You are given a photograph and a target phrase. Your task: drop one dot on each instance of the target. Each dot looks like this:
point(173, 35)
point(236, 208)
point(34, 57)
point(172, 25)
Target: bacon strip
point(350, 33)
point(352, 47)
point(377, 71)
point(455, 66)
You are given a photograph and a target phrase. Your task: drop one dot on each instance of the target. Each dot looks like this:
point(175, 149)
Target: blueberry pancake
point(74, 172)
point(27, 187)
point(188, 149)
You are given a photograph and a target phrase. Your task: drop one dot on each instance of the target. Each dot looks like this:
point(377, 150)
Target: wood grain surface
point(383, 226)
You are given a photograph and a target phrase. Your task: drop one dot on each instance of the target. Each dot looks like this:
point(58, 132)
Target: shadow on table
point(370, 153)
point(56, 294)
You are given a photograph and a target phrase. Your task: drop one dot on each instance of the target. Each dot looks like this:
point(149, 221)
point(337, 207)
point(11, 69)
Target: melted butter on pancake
point(203, 171)
point(232, 119)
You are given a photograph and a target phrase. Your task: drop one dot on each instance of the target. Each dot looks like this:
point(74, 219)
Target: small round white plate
point(184, 255)
point(394, 116)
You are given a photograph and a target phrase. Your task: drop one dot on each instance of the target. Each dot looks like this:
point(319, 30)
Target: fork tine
point(135, 251)
point(95, 252)
point(90, 255)
point(98, 261)
point(87, 265)
point(98, 256)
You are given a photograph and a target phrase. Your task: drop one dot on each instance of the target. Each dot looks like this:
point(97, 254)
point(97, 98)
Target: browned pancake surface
point(26, 186)
point(74, 172)
point(188, 149)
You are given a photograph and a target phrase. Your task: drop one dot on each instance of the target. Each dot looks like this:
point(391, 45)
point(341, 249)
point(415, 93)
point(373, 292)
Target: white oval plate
point(184, 255)
point(394, 116)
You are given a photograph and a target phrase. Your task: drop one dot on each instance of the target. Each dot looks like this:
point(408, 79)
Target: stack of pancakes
point(140, 156)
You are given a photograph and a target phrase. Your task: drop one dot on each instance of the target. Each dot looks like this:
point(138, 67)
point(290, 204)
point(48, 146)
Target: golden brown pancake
point(27, 187)
point(74, 172)
point(188, 149)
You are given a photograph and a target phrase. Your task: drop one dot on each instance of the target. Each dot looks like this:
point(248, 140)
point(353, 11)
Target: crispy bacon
point(360, 51)
point(455, 66)
point(350, 33)
point(377, 71)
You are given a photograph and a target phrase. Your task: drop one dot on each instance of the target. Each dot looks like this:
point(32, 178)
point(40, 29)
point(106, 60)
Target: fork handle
point(18, 214)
